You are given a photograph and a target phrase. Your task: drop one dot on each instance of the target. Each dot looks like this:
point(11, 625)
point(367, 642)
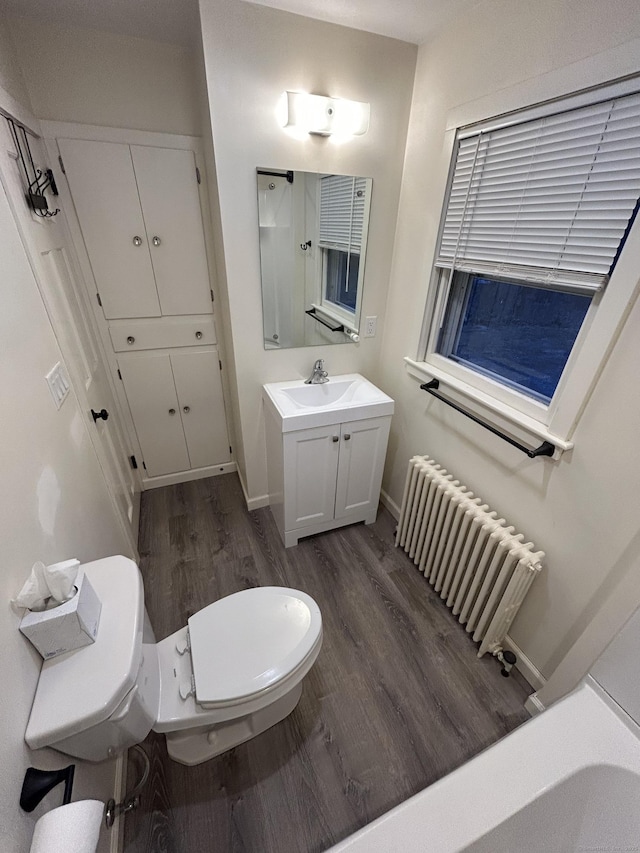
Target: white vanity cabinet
point(176, 403)
point(139, 211)
point(325, 477)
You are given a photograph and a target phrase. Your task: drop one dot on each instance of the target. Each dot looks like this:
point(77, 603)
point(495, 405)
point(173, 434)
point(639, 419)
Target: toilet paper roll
point(73, 828)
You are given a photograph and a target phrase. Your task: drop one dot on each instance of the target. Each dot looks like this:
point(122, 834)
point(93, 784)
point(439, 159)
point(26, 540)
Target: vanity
point(326, 446)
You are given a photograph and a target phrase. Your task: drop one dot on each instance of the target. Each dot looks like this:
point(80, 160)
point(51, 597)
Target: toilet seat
point(245, 645)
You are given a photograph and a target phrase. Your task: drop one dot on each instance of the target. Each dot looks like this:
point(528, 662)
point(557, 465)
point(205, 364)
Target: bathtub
point(567, 780)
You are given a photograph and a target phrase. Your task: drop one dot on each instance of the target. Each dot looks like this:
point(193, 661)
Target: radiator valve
point(507, 659)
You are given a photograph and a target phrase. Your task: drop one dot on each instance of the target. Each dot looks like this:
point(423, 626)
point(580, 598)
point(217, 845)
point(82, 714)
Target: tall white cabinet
point(139, 213)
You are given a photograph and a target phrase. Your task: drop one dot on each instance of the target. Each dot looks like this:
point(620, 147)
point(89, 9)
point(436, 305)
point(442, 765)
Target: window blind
point(342, 204)
point(548, 200)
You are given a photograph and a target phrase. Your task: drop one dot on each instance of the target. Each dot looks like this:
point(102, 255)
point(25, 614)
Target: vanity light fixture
point(323, 116)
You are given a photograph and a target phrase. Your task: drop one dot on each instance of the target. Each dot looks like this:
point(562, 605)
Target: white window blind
point(342, 204)
point(547, 200)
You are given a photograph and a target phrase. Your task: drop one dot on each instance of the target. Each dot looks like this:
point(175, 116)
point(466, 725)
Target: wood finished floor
point(396, 699)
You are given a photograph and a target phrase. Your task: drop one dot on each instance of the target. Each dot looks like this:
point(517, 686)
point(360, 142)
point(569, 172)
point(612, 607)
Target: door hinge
point(119, 375)
point(134, 464)
point(64, 171)
point(220, 363)
point(211, 292)
point(198, 178)
point(99, 300)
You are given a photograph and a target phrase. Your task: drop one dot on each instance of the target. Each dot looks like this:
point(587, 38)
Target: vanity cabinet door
point(151, 394)
point(168, 188)
point(199, 388)
point(311, 464)
point(103, 186)
point(363, 446)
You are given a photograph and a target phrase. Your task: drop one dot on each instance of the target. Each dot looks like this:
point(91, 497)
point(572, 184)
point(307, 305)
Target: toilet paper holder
point(38, 783)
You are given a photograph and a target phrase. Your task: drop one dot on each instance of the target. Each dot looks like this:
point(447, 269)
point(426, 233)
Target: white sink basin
point(349, 397)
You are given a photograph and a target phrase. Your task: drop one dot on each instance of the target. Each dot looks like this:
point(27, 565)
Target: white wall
point(583, 509)
point(93, 77)
point(252, 54)
point(54, 501)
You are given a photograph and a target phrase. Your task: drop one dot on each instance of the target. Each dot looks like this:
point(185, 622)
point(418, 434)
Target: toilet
point(232, 672)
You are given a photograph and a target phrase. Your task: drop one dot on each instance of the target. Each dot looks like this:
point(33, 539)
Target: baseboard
point(533, 705)
point(524, 666)
point(188, 476)
point(390, 504)
point(119, 790)
point(252, 503)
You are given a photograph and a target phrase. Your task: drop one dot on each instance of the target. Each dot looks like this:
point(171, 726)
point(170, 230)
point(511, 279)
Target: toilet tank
point(93, 702)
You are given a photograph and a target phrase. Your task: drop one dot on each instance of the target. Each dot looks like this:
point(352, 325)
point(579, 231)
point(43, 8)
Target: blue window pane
point(342, 278)
point(515, 333)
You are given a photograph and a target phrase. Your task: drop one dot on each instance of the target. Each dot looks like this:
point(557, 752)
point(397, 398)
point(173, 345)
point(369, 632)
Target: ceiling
point(177, 21)
point(173, 21)
point(409, 20)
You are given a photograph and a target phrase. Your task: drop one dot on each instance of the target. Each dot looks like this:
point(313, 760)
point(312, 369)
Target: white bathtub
point(568, 780)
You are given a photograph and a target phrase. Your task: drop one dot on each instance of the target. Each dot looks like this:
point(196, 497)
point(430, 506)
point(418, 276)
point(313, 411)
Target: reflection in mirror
point(313, 240)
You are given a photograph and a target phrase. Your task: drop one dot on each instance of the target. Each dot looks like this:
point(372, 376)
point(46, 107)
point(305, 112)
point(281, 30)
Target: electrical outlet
point(370, 327)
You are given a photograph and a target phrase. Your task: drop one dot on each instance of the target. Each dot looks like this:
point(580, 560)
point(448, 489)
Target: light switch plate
point(58, 382)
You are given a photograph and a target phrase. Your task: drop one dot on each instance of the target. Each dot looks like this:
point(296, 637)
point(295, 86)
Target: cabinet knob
point(186, 409)
point(137, 241)
point(335, 438)
point(155, 241)
point(198, 336)
point(131, 340)
point(347, 436)
point(172, 411)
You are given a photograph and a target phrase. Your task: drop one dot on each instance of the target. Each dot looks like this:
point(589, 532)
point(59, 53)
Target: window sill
point(495, 412)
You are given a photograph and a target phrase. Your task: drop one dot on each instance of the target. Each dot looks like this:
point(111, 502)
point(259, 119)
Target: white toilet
point(233, 672)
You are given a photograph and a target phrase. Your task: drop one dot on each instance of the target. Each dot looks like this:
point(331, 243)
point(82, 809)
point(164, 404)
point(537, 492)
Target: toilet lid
point(247, 642)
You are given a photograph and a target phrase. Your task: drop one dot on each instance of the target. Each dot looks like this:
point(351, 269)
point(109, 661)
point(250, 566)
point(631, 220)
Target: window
point(538, 209)
point(516, 334)
point(343, 210)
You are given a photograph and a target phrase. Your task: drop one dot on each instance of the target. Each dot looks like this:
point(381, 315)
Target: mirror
point(313, 241)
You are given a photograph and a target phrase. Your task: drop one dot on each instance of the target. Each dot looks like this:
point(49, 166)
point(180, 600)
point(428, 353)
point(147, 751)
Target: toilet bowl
point(232, 672)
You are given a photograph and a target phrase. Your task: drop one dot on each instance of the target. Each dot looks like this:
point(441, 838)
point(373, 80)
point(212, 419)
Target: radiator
point(477, 563)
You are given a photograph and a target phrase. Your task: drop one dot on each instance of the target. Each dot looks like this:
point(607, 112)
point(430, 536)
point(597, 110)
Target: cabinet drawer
point(162, 333)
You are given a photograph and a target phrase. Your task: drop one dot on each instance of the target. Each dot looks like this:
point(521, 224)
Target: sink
point(318, 396)
point(349, 397)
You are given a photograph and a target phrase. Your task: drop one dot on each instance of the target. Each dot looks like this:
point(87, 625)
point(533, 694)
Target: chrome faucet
point(318, 375)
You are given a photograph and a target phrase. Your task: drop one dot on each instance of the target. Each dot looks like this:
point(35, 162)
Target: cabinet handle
point(137, 241)
point(335, 438)
point(172, 411)
point(131, 340)
point(198, 336)
point(186, 409)
point(156, 241)
point(347, 436)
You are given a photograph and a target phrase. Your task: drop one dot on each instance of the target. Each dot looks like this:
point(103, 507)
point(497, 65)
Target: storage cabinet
point(325, 477)
point(177, 407)
point(140, 219)
point(139, 212)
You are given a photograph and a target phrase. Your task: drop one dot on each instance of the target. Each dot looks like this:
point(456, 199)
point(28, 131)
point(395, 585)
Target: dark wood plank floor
point(396, 699)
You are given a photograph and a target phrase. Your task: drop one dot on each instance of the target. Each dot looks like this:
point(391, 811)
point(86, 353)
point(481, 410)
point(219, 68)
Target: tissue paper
point(56, 581)
point(35, 591)
point(61, 578)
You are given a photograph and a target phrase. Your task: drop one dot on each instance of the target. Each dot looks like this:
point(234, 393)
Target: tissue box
point(68, 626)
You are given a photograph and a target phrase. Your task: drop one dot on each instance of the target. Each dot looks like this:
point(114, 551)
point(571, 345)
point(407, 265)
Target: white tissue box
point(68, 626)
